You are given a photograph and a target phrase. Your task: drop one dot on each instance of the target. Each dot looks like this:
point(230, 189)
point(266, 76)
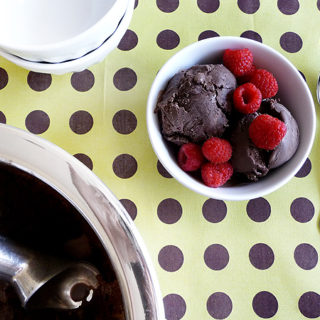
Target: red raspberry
point(217, 150)
point(265, 82)
point(247, 77)
point(216, 175)
point(266, 132)
point(190, 157)
point(247, 98)
point(239, 62)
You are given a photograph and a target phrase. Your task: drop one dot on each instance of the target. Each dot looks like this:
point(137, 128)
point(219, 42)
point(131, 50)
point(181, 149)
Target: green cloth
point(170, 217)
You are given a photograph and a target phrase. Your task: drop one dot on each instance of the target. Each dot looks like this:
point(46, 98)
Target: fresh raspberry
point(247, 98)
point(215, 175)
point(190, 157)
point(239, 62)
point(247, 77)
point(266, 132)
point(217, 150)
point(265, 82)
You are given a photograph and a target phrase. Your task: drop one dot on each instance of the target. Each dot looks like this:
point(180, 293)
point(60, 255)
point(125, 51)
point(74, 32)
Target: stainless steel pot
point(99, 207)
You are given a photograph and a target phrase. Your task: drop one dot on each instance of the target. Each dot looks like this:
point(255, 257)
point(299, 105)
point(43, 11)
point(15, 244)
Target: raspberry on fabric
point(265, 82)
point(217, 150)
point(266, 132)
point(247, 98)
point(215, 175)
point(247, 77)
point(190, 157)
point(239, 61)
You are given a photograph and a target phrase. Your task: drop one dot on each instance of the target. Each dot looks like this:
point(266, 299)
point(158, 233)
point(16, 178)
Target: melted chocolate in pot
point(35, 215)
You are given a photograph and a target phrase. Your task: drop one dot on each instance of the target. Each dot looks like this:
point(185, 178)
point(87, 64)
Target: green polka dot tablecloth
point(214, 259)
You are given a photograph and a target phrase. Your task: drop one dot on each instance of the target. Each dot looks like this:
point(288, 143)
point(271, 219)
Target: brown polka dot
point(168, 39)
point(265, 304)
point(309, 305)
point(258, 209)
point(175, 306)
point(306, 256)
point(162, 170)
point(261, 256)
point(208, 6)
point(170, 258)
point(207, 34)
point(130, 207)
point(219, 305)
point(82, 81)
point(302, 210)
point(84, 159)
point(250, 34)
point(124, 166)
point(214, 210)
point(288, 7)
point(291, 42)
point(305, 169)
point(2, 117)
point(216, 257)
point(128, 41)
point(125, 79)
point(39, 81)
point(169, 211)
point(136, 2)
point(168, 5)
point(249, 6)
point(81, 122)
point(3, 78)
point(124, 121)
point(37, 122)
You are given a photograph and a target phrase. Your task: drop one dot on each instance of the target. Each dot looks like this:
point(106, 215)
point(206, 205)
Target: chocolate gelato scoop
point(196, 104)
point(252, 162)
point(247, 160)
point(289, 144)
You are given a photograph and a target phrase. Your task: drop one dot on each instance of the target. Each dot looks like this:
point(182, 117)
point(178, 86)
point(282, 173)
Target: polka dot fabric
point(255, 259)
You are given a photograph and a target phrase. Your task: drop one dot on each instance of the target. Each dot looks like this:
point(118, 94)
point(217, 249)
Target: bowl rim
point(171, 166)
point(99, 207)
point(83, 62)
point(71, 41)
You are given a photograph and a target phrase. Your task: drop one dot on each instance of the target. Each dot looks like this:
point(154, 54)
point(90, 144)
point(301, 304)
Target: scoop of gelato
point(252, 162)
point(196, 104)
point(289, 144)
point(247, 159)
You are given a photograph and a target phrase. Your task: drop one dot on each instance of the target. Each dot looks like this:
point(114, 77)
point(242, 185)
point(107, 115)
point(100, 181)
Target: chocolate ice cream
point(196, 104)
point(252, 162)
point(289, 144)
point(247, 159)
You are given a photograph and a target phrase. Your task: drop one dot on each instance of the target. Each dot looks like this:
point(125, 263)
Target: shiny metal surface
point(100, 208)
point(318, 89)
point(43, 281)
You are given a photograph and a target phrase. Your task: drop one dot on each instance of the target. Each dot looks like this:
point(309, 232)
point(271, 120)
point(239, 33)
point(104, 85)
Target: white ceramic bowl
point(293, 93)
point(59, 30)
point(84, 62)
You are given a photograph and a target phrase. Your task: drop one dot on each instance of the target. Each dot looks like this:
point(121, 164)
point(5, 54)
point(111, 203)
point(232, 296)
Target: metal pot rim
point(99, 207)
